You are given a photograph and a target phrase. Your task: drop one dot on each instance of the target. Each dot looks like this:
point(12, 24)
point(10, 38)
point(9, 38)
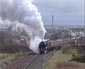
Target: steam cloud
point(23, 15)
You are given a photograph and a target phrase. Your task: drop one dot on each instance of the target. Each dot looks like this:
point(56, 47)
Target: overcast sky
point(66, 12)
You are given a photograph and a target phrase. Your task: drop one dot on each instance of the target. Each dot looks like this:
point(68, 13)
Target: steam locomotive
point(46, 46)
point(42, 47)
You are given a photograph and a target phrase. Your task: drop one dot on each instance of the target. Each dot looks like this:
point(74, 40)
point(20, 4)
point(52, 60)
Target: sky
point(66, 12)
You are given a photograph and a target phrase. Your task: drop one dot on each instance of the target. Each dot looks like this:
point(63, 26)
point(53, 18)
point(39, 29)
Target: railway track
point(28, 61)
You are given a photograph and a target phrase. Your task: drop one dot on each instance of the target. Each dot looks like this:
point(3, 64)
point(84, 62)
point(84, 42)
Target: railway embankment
point(62, 60)
point(29, 61)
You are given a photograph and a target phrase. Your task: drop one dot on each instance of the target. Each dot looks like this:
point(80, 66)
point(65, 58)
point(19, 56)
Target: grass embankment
point(12, 57)
point(58, 57)
point(64, 61)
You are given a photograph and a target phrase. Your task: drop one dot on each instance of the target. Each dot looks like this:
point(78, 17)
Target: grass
point(72, 51)
point(58, 57)
point(9, 58)
point(69, 60)
point(78, 58)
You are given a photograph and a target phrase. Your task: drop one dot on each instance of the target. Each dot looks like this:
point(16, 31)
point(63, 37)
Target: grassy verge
point(58, 57)
point(9, 58)
point(68, 60)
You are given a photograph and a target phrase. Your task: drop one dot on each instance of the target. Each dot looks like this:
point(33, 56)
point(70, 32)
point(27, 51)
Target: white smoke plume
point(35, 44)
point(23, 15)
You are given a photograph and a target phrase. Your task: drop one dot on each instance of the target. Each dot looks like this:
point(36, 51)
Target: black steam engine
point(43, 47)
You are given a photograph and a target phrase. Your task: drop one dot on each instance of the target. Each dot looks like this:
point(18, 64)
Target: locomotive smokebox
point(43, 47)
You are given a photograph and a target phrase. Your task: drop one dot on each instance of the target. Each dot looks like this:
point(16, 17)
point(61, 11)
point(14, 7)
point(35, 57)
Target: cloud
point(65, 11)
point(63, 5)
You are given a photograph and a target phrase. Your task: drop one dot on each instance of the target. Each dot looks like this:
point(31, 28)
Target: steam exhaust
point(22, 16)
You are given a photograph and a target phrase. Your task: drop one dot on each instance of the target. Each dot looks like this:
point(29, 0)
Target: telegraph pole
point(52, 22)
point(84, 25)
point(53, 28)
point(84, 35)
point(84, 30)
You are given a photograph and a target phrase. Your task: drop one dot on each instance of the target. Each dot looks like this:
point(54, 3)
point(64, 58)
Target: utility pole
point(84, 24)
point(52, 22)
point(84, 35)
point(53, 28)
